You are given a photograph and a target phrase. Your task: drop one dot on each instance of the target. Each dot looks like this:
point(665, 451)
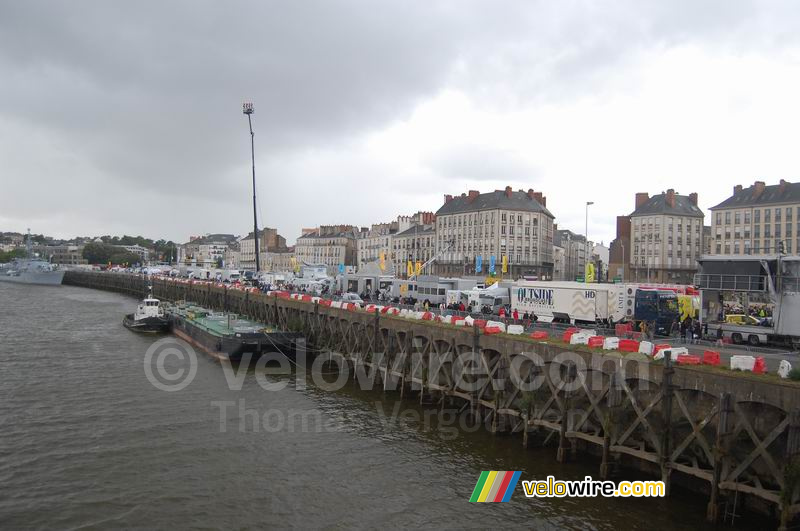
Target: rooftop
point(418, 230)
point(759, 194)
point(669, 203)
point(507, 199)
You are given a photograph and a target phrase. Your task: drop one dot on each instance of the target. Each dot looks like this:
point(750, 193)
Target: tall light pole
point(247, 108)
point(586, 240)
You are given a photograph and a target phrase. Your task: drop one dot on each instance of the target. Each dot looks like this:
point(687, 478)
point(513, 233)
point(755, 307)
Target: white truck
point(571, 302)
point(231, 275)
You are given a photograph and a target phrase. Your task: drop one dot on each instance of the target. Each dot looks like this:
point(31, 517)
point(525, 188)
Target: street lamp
point(586, 240)
point(247, 108)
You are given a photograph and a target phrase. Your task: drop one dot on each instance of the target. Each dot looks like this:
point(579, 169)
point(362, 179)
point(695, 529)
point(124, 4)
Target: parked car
point(350, 297)
point(740, 318)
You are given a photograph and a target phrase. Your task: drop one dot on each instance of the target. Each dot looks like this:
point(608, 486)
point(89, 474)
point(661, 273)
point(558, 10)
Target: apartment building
point(329, 245)
point(757, 220)
point(269, 241)
point(667, 237)
point(380, 238)
point(415, 244)
point(573, 248)
point(474, 228)
point(206, 251)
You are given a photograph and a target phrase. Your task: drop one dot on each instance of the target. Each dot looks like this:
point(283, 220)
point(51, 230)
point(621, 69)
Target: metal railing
point(757, 283)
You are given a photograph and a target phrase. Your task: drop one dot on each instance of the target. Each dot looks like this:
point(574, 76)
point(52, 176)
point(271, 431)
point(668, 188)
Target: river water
point(88, 442)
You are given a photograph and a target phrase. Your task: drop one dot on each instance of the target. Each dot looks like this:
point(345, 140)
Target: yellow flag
point(410, 269)
point(419, 268)
point(383, 261)
point(589, 277)
point(505, 264)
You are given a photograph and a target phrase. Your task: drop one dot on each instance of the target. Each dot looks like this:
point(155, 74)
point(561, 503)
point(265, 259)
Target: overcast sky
point(125, 117)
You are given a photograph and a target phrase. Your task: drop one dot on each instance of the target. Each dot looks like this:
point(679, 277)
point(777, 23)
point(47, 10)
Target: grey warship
point(31, 270)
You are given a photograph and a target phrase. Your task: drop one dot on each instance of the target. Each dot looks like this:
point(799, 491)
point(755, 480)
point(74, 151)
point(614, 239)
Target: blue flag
point(341, 268)
point(491, 264)
point(478, 263)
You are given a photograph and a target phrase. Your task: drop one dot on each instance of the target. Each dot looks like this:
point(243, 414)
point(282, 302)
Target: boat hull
point(235, 348)
point(148, 325)
point(42, 278)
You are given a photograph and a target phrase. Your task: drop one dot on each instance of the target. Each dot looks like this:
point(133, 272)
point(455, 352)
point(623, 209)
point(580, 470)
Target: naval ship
point(31, 270)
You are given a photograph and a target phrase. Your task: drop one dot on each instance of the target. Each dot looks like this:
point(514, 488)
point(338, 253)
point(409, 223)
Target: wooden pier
point(733, 437)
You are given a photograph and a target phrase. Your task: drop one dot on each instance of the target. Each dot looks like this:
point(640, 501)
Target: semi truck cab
point(656, 306)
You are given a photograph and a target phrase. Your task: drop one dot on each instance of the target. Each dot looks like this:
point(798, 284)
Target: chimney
point(530, 193)
point(693, 198)
point(539, 197)
point(508, 191)
point(758, 189)
point(782, 186)
point(473, 194)
point(642, 198)
point(447, 198)
point(737, 189)
point(671, 197)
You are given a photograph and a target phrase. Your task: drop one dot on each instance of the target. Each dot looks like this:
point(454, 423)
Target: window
point(777, 215)
point(757, 216)
point(766, 215)
point(767, 231)
point(727, 218)
point(719, 248)
point(719, 218)
point(747, 218)
point(757, 231)
point(737, 217)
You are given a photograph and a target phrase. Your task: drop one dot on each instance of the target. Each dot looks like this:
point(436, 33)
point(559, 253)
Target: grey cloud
point(140, 101)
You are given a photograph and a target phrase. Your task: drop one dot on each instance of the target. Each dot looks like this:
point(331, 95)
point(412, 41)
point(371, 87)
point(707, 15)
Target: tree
point(7, 256)
point(98, 253)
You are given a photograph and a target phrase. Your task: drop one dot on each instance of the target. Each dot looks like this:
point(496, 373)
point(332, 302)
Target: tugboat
point(149, 317)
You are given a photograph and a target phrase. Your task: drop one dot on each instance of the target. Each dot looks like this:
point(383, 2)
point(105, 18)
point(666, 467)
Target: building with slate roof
point(205, 251)
point(757, 220)
point(516, 225)
point(329, 245)
point(667, 234)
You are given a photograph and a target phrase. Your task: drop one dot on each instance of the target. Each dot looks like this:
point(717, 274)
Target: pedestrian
point(502, 312)
point(689, 331)
point(515, 315)
point(719, 337)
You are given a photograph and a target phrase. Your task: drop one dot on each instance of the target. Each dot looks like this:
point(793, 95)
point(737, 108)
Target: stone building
point(415, 244)
point(667, 237)
point(757, 220)
point(502, 223)
point(269, 241)
point(205, 251)
point(329, 245)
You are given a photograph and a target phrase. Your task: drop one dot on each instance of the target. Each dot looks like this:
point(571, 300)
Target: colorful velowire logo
point(494, 486)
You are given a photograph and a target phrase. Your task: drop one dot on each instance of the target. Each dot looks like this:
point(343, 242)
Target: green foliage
point(7, 256)
point(794, 374)
point(103, 253)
